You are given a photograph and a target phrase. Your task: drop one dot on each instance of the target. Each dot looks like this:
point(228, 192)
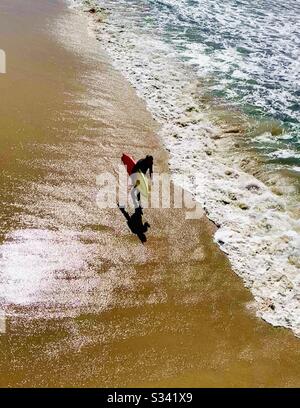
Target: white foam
point(260, 237)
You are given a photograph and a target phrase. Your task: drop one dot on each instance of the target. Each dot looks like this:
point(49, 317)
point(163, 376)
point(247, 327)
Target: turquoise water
point(248, 52)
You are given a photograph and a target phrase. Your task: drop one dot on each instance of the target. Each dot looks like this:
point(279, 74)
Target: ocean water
point(212, 68)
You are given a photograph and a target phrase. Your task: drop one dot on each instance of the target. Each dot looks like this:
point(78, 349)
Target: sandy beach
point(85, 303)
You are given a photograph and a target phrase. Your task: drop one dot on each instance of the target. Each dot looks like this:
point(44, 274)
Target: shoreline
point(257, 229)
point(86, 303)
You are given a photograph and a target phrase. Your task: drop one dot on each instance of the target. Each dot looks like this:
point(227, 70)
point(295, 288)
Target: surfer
point(142, 165)
point(135, 223)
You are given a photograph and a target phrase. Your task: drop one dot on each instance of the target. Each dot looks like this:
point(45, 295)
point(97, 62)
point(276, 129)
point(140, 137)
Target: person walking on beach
point(142, 165)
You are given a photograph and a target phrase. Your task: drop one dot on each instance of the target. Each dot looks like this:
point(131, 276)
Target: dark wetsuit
point(143, 165)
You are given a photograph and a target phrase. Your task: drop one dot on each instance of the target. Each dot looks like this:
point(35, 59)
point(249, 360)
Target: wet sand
point(86, 303)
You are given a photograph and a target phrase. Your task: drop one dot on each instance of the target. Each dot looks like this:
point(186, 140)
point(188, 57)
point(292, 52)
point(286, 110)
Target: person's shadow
point(135, 223)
